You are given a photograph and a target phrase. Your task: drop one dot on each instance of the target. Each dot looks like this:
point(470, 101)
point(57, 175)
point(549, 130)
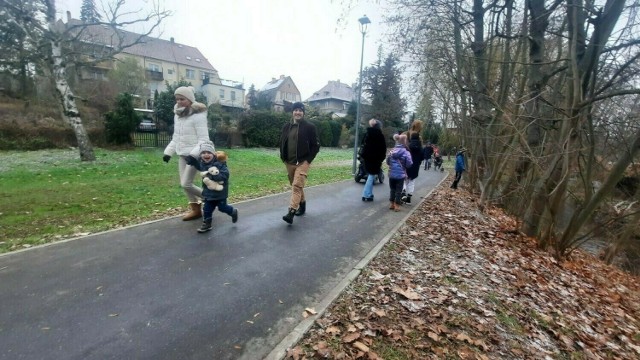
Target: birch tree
point(59, 48)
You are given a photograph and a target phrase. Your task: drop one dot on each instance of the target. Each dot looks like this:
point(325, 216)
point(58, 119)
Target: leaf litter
point(458, 283)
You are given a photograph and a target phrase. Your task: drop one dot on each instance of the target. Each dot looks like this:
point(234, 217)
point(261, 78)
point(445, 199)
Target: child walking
point(398, 160)
point(215, 184)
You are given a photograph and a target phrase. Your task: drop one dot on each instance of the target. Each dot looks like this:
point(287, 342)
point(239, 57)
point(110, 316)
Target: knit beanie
point(207, 146)
point(297, 105)
point(186, 91)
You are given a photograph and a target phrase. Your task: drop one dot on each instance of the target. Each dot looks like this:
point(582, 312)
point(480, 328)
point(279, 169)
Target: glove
point(191, 160)
point(166, 158)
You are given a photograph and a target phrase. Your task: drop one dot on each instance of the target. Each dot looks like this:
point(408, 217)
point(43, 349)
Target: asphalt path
point(160, 290)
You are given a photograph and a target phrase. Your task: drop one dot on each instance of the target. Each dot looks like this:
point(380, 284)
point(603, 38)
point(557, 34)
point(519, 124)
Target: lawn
point(50, 195)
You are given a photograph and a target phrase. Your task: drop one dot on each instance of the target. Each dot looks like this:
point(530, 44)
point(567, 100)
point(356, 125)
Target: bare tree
point(60, 51)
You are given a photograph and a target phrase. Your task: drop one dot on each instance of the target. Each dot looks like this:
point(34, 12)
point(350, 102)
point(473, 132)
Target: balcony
point(154, 75)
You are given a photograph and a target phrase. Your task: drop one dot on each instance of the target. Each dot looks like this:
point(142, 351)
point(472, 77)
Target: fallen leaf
point(351, 337)
point(361, 346)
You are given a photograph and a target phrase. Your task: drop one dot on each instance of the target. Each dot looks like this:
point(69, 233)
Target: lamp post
point(364, 22)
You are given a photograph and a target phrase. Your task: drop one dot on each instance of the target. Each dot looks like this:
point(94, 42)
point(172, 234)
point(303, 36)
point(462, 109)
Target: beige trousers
point(187, 174)
point(297, 178)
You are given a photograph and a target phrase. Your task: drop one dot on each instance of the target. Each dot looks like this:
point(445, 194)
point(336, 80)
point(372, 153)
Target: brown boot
point(392, 206)
point(396, 207)
point(194, 213)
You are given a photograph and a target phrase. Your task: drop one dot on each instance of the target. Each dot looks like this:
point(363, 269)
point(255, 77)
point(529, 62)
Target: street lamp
point(364, 22)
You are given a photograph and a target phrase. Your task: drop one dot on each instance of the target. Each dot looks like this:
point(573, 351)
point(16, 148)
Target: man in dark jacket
point(299, 145)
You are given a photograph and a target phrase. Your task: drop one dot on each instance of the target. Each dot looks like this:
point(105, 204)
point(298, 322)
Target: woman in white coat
point(189, 132)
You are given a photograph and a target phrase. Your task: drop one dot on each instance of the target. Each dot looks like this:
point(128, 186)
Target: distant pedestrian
point(398, 160)
point(428, 153)
point(374, 151)
point(460, 167)
point(215, 184)
point(415, 149)
point(189, 132)
point(299, 145)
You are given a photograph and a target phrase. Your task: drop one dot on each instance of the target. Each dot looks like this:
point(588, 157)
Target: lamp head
point(364, 21)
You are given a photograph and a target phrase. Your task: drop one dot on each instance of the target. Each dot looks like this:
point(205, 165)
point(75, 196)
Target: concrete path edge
point(280, 351)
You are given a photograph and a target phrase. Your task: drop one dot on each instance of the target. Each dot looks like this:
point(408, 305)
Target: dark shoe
point(289, 216)
point(206, 226)
point(302, 208)
point(364, 198)
point(407, 199)
point(234, 216)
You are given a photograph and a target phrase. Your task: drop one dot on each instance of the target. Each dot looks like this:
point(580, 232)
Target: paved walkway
point(160, 290)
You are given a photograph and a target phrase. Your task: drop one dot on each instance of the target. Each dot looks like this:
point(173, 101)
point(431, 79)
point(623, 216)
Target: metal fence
point(161, 138)
point(153, 138)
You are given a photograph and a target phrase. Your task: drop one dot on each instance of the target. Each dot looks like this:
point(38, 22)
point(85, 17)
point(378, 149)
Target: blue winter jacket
point(222, 176)
point(460, 162)
point(398, 160)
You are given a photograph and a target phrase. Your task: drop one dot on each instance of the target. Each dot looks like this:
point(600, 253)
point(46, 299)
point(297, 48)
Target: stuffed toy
point(212, 185)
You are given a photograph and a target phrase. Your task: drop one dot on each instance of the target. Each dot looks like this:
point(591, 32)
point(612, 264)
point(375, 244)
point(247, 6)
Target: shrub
point(262, 128)
point(119, 124)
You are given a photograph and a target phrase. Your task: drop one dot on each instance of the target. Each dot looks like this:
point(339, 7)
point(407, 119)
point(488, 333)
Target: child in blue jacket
point(398, 160)
point(215, 184)
point(460, 167)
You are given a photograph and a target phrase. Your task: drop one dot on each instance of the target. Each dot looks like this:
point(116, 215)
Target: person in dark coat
point(415, 148)
point(299, 145)
point(428, 152)
point(460, 167)
point(373, 153)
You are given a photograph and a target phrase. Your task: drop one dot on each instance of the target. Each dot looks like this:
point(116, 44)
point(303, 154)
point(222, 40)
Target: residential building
point(280, 92)
point(163, 61)
point(334, 98)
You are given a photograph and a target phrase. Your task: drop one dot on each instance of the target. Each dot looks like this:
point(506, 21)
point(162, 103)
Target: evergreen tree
point(20, 44)
point(120, 123)
point(252, 98)
point(382, 83)
point(88, 12)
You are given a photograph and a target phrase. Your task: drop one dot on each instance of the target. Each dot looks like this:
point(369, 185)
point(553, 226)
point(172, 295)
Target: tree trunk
point(66, 97)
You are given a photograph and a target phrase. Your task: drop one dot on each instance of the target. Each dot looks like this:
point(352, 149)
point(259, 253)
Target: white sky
point(253, 41)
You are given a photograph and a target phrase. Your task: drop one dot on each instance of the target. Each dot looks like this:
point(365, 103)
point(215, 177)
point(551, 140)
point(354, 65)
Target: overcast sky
point(253, 41)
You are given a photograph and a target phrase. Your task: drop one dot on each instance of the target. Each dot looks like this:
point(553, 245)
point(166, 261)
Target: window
point(154, 67)
point(221, 93)
point(188, 57)
point(233, 96)
point(170, 71)
point(190, 74)
point(96, 74)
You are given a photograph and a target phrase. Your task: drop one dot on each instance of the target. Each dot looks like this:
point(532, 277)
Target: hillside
point(455, 283)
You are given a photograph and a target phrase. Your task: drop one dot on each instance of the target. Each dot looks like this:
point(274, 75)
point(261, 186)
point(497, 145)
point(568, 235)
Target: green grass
point(50, 195)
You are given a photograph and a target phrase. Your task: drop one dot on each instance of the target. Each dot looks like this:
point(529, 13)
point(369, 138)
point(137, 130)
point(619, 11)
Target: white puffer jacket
point(189, 132)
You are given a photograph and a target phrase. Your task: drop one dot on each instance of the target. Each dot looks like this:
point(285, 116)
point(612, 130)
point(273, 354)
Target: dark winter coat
point(415, 148)
point(308, 145)
point(398, 160)
point(428, 152)
point(223, 177)
point(374, 150)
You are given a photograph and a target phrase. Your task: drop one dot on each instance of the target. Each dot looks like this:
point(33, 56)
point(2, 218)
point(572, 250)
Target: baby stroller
point(437, 162)
point(362, 173)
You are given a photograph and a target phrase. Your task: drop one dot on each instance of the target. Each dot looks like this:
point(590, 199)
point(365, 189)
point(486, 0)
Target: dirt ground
point(457, 283)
